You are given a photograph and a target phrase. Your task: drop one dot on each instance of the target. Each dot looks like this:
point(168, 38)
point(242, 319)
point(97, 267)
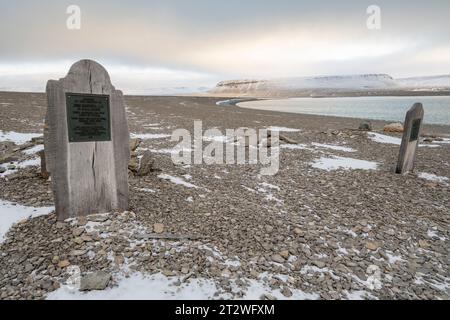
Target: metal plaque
point(88, 117)
point(415, 129)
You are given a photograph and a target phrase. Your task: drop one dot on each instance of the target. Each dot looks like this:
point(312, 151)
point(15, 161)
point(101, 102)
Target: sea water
point(437, 108)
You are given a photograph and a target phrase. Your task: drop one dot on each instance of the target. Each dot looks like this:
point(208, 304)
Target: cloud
point(211, 40)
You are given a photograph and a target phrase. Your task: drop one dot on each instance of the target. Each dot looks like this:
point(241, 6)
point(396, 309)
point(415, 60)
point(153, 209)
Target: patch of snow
point(443, 285)
point(166, 151)
point(151, 125)
point(336, 163)
point(257, 288)
point(429, 145)
point(146, 136)
point(358, 295)
point(176, 180)
point(17, 137)
point(432, 177)
point(283, 129)
point(270, 186)
point(313, 270)
point(444, 141)
point(19, 165)
point(11, 213)
point(299, 146)
point(222, 139)
point(146, 190)
point(333, 147)
point(382, 138)
point(432, 233)
point(33, 150)
point(159, 287)
point(393, 259)
point(140, 287)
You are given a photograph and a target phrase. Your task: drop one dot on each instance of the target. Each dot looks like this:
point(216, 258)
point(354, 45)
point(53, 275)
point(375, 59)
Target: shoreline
point(387, 121)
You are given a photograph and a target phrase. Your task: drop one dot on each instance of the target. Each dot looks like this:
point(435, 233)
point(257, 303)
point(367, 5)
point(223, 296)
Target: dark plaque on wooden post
point(410, 141)
point(88, 117)
point(86, 142)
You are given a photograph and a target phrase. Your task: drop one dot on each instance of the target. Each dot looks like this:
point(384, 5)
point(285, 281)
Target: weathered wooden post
point(87, 142)
point(411, 137)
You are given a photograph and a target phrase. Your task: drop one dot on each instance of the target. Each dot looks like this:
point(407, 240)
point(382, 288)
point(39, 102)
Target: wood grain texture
point(87, 177)
point(408, 149)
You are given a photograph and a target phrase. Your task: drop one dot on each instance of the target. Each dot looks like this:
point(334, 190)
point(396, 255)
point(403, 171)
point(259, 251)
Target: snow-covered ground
point(19, 165)
point(17, 137)
point(433, 177)
point(177, 180)
point(382, 138)
point(11, 213)
point(336, 163)
point(333, 147)
point(146, 136)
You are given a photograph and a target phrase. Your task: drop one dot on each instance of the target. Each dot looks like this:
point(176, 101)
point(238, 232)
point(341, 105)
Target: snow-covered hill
point(327, 85)
point(426, 82)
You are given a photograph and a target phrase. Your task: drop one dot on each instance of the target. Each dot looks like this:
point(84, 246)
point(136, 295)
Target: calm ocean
point(437, 108)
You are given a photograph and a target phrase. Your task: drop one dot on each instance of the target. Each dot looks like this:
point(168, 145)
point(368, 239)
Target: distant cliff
point(329, 85)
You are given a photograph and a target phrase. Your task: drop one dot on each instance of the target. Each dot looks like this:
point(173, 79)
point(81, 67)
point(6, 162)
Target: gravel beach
point(333, 223)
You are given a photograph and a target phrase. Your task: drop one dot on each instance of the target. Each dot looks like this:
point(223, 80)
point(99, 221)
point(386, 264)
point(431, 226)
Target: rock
point(372, 245)
point(168, 273)
point(286, 292)
point(78, 240)
point(28, 267)
point(284, 254)
point(158, 228)
point(86, 238)
point(63, 263)
point(146, 164)
point(95, 281)
point(365, 126)
point(254, 274)
point(119, 259)
point(267, 296)
point(184, 270)
point(319, 264)
point(98, 217)
point(424, 244)
point(2, 169)
point(277, 258)
point(287, 140)
point(134, 144)
point(77, 232)
point(77, 253)
point(299, 232)
point(134, 164)
point(393, 127)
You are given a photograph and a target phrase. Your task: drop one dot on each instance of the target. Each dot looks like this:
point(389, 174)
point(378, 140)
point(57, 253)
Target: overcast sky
point(174, 43)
